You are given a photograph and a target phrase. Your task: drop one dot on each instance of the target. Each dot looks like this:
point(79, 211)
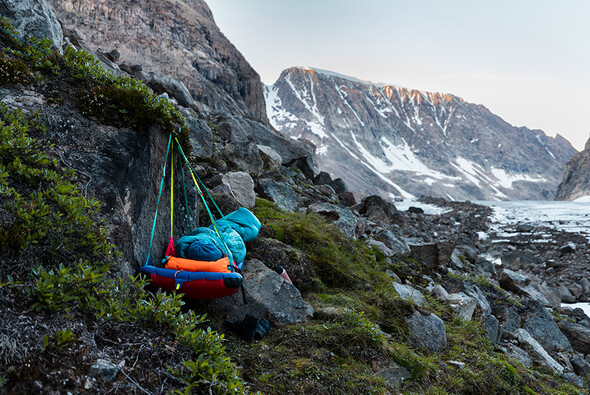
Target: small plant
point(59, 340)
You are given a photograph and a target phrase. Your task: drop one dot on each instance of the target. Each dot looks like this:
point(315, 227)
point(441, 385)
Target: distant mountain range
point(398, 142)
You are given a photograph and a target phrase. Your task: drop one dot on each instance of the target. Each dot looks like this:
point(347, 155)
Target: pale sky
point(528, 61)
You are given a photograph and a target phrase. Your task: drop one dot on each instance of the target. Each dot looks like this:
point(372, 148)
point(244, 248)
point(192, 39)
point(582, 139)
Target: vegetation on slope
point(56, 262)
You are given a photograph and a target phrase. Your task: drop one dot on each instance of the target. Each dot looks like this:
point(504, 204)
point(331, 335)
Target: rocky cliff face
point(172, 37)
point(576, 177)
point(399, 142)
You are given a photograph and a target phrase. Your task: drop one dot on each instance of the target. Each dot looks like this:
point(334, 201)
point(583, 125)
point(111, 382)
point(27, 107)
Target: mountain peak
point(386, 139)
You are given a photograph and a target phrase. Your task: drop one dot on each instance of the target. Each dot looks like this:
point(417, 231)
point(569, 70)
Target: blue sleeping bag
point(243, 222)
point(203, 244)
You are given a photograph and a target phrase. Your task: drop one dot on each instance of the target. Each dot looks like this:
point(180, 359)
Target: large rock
point(427, 331)
point(393, 374)
point(33, 18)
point(407, 292)
point(513, 281)
point(342, 217)
point(279, 192)
point(536, 351)
point(463, 305)
point(268, 296)
point(391, 240)
point(578, 335)
point(241, 186)
point(243, 156)
point(162, 84)
point(270, 158)
point(201, 136)
point(541, 326)
point(376, 208)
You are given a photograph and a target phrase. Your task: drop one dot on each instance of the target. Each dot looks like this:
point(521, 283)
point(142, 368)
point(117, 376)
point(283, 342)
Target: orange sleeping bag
point(218, 266)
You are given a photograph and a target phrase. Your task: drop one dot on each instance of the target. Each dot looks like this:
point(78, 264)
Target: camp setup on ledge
point(205, 264)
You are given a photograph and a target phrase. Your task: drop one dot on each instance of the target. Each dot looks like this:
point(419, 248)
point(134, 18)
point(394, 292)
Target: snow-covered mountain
point(395, 141)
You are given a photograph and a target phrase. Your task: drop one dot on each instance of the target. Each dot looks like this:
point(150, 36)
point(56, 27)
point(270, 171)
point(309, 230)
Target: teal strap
point(159, 196)
point(201, 182)
point(25, 41)
point(194, 173)
point(188, 214)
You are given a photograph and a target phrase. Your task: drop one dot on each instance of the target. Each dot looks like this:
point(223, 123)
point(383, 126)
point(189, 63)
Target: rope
point(171, 190)
point(192, 172)
point(159, 196)
point(188, 214)
point(25, 41)
point(202, 183)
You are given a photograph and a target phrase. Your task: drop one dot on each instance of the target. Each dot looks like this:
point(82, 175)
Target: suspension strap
point(188, 214)
point(202, 183)
point(171, 190)
point(192, 172)
point(159, 196)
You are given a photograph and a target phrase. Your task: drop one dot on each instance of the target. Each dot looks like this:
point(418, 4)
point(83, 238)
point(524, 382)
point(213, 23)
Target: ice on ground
point(583, 199)
point(429, 209)
point(572, 217)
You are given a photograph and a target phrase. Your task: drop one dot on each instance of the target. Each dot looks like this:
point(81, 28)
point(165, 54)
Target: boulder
point(580, 365)
point(427, 331)
point(201, 136)
point(33, 18)
point(243, 156)
point(342, 217)
point(339, 185)
point(463, 305)
point(578, 335)
point(347, 199)
point(241, 186)
point(391, 240)
point(393, 374)
point(270, 158)
point(103, 370)
point(551, 295)
point(518, 353)
point(322, 178)
point(540, 325)
point(439, 292)
point(165, 84)
point(281, 193)
point(492, 327)
point(485, 267)
point(513, 281)
point(565, 294)
point(268, 295)
point(383, 249)
point(509, 318)
point(536, 351)
point(483, 306)
point(305, 165)
point(376, 208)
point(574, 379)
point(407, 292)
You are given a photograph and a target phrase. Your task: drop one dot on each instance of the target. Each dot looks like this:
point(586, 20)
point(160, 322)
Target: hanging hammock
point(201, 279)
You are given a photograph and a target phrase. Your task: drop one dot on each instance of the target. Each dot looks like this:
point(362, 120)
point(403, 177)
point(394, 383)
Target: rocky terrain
point(396, 142)
point(382, 300)
point(576, 177)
